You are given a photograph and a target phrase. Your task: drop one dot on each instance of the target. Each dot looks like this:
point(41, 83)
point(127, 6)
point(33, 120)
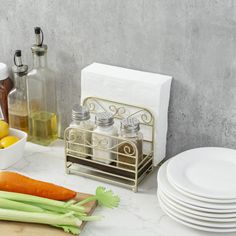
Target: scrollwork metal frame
point(120, 175)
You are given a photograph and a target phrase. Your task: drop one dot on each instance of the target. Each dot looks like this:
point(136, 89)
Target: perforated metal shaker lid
point(130, 124)
point(104, 119)
point(80, 113)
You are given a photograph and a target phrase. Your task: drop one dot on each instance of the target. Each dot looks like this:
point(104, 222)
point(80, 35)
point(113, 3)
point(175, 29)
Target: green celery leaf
point(106, 198)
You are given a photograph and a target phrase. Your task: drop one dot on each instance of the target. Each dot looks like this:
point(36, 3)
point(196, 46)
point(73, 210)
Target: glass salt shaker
point(101, 138)
point(130, 130)
point(79, 137)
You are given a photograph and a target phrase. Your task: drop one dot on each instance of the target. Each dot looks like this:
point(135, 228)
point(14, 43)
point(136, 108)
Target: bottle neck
point(39, 60)
point(20, 82)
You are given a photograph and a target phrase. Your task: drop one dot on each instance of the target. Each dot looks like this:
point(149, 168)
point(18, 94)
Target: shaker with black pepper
point(130, 130)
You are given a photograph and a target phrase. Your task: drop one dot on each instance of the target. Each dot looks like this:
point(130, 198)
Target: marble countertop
point(139, 213)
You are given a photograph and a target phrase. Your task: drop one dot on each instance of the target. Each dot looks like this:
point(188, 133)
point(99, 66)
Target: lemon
point(4, 129)
point(8, 141)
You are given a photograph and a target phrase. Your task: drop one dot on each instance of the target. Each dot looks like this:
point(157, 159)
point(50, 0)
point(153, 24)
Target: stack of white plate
point(198, 189)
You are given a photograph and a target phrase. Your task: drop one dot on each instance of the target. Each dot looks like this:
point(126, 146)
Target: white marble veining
point(139, 213)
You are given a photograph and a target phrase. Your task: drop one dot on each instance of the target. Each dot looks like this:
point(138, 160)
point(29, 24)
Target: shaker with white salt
point(102, 139)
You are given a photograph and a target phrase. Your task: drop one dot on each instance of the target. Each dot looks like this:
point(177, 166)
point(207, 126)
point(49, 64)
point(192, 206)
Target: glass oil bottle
point(41, 91)
point(17, 98)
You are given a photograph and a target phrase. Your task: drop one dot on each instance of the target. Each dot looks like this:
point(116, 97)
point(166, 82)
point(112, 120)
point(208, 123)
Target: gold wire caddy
point(126, 174)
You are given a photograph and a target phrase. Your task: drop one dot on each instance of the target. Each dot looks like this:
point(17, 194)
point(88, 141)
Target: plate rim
point(168, 189)
point(183, 211)
point(203, 199)
point(198, 227)
point(231, 196)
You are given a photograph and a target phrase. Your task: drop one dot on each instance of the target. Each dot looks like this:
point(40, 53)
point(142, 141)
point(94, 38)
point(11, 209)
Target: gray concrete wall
point(193, 40)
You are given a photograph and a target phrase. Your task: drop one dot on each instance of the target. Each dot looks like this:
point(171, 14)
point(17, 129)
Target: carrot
point(14, 182)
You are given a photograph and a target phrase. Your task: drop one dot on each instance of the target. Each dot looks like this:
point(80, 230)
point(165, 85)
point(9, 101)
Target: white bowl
point(10, 155)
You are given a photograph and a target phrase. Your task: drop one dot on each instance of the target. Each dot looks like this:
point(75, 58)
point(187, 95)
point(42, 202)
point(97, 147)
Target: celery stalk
point(13, 205)
point(58, 209)
point(80, 215)
point(66, 215)
point(40, 218)
point(34, 199)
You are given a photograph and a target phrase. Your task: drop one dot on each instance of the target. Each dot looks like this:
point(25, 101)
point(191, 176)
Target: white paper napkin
point(133, 87)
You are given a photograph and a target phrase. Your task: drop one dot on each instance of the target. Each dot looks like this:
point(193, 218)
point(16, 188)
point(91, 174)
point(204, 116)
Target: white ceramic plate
point(192, 225)
point(203, 199)
point(175, 195)
point(206, 172)
point(191, 220)
point(196, 214)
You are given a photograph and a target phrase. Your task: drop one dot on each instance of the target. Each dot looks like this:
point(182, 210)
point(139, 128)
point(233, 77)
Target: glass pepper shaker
point(79, 137)
point(101, 140)
point(130, 130)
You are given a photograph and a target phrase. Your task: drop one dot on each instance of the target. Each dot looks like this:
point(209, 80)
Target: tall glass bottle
point(17, 98)
point(41, 91)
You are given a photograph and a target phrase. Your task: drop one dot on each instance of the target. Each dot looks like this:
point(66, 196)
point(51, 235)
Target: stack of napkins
point(133, 87)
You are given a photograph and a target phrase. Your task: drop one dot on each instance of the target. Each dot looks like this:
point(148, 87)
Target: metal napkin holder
point(82, 163)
